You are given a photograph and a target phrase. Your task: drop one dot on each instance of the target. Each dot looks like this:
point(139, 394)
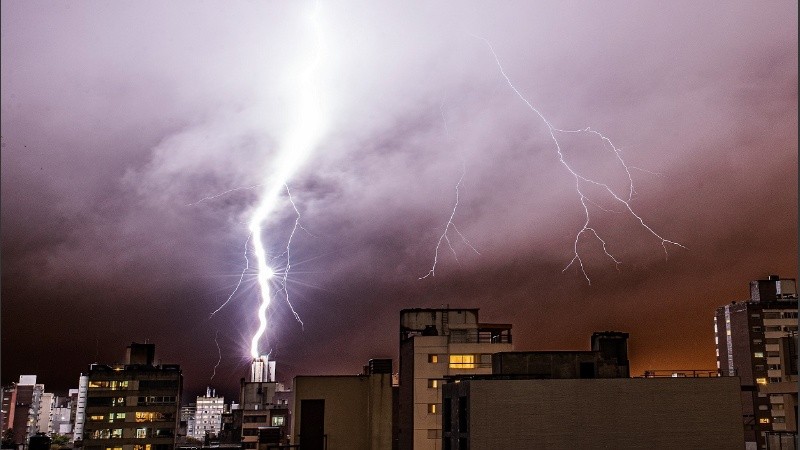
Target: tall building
point(756, 340)
point(263, 407)
point(78, 410)
point(21, 405)
point(45, 421)
point(434, 344)
point(207, 416)
point(133, 406)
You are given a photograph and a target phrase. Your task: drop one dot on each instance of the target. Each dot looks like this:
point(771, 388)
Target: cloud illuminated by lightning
point(623, 199)
point(297, 145)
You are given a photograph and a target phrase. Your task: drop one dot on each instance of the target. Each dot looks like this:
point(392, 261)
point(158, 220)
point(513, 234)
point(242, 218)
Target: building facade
point(133, 406)
point(22, 403)
point(587, 414)
point(344, 412)
point(207, 416)
point(435, 344)
point(756, 340)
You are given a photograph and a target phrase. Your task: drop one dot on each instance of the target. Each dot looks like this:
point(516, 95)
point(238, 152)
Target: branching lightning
point(623, 199)
point(238, 283)
point(211, 197)
point(300, 141)
point(444, 237)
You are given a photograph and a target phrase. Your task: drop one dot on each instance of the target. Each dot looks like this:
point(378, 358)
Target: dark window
point(587, 370)
point(463, 415)
point(447, 414)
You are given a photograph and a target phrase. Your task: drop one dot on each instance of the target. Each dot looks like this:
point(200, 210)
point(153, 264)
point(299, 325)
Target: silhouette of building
point(588, 414)
point(133, 406)
point(345, 412)
point(435, 344)
point(756, 340)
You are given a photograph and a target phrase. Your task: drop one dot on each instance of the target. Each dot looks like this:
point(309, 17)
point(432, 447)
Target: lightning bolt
point(211, 197)
point(298, 144)
point(444, 237)
point(239, 283)
point(623, 199)
point(219, 359)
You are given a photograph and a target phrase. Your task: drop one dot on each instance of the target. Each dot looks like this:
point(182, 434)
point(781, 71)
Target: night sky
point(118, 118)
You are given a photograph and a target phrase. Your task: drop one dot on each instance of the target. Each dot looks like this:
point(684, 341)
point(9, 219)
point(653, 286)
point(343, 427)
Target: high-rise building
point(434, 344)
point(756, 340)
point(263, 405)
point(21, 405)
point(78, 410)
point(45, 420)
point(133, 406)
point(208, 415)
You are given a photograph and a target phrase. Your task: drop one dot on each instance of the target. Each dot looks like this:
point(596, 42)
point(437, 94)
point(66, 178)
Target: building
point(344, 412)
point(607, 359)
point(61, 417)
point(188, 417)
point(756, 340)
point(45, 421)
point(133, 406)
point(21, 405)
point(207, 416)
point(587, 414)
point(263, 414)
point(435, 344)
point(78, 410)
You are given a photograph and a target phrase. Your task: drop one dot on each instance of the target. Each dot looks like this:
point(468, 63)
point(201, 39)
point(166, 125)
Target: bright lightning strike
point(219, 358)
point(295, 149)
point(623, 199)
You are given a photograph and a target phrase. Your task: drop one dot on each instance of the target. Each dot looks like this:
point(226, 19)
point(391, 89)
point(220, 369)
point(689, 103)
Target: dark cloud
point(122, 122)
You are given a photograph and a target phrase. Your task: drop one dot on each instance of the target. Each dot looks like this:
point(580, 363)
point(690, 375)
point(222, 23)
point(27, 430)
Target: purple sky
point(118, 116)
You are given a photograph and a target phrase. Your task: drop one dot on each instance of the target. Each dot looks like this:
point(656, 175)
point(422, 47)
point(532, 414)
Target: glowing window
point(141, 433)
point(433, 408)
point(763, 420)
point(116, 433)
point(434, 384)
point(462, 361)
point(146, 416)
point(761, 380)
point(278, 421)
point(433, 359)
point(96, 418)
point(758, 354)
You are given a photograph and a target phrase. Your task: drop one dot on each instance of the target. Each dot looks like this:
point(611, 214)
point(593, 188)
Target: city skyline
point(135, 138)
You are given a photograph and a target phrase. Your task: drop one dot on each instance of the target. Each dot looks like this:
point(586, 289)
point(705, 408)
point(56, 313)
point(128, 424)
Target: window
point(757, 341)
point(433, 384)
point(462, 361)
point(96, 418)
point(278, 421)
point(433, 408)
point(141, 433)
point(761, 380)
point(142, 447)
point(433, 359)
point(758, 354)
point(116, 433)
point(118, 401)
point(763, 420)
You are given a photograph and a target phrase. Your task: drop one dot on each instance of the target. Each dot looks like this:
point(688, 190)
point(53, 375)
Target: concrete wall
point(358, 409)
point(659, 413)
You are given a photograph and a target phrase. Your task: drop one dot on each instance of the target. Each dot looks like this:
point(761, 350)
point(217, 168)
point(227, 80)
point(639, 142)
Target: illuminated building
point(434, 344)
point(21, 408)
point(263, 413)
point(756, 340)
point(133, 406)
point(207, 415)
point(344, 412)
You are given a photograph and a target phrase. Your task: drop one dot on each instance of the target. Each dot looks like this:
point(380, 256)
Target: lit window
point(96, 418)
point(761, 380)
point(278, 421)
point(116, 433)
point(433, 384)
point(141, 433)
point(433, 359)
point(433, 408)
point(763, 420)
point(728, 332)
point(758, 354)
point(462, 361)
